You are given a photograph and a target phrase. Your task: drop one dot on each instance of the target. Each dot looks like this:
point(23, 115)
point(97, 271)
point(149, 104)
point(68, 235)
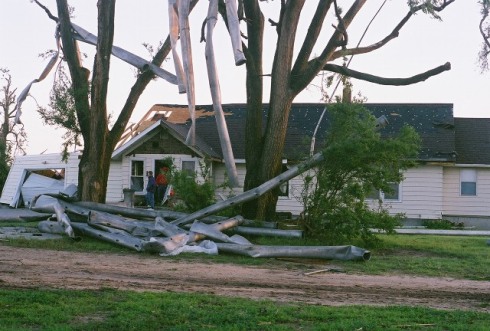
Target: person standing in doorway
point(150, 190)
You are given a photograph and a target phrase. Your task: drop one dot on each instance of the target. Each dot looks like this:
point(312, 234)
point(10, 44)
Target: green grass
point(435, 256)
point(109, 309)
point(123, 310)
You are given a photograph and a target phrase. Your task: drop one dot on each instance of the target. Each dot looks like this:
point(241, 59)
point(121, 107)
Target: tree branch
point(387, 81)
point(365, 49)
point(102, 61)
point(79, 75)
point(485, 33)
point(137, 89)
point(311, 37)
point(329, 54)
point(303, 78)
point(394, 34)
point(51, 16)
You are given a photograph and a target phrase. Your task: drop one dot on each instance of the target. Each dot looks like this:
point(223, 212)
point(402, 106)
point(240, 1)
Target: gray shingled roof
point(472, 140)
point(433, 122)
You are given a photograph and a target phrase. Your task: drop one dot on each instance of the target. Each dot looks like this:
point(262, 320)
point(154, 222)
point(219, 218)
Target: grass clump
point(110, 309)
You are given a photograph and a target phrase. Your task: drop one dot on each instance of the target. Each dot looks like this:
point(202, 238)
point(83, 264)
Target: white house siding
point(22, 164)
point(219, 177)
point(115, 185)
point(421, 193)
point(457, 205)
point(284, 204)
point(292, 203)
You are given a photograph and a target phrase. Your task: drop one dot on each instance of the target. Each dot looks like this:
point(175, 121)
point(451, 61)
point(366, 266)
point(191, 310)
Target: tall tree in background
point(12, 138)
point(293, 71)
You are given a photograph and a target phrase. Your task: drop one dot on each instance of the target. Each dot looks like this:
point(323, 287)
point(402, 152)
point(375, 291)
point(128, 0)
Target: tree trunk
point(93, 171)
point(264, 158)
point(253, 126)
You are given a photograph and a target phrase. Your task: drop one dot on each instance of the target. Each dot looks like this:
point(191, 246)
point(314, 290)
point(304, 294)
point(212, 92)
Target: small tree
point(357, 160)
point(12, 139)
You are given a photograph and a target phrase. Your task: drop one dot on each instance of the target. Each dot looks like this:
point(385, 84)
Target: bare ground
point(34, 268)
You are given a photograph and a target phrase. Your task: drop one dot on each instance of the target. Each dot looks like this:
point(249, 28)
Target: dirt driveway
point(34, 268)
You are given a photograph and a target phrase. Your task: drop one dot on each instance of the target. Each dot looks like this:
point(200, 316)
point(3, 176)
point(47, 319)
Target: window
point(394, 195)
point(468, 182)
point(374, 194)
point(189, 167)
point(284, 187)
point(137, 178)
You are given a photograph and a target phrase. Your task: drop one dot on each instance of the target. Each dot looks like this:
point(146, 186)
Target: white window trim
point(381, 196)
point(131, 174)
point(468, 173)
point(399, 199)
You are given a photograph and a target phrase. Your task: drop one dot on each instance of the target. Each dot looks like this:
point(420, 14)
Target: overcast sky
point(422, 45)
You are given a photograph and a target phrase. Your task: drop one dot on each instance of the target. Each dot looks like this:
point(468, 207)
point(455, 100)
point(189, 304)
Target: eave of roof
point(174, 130)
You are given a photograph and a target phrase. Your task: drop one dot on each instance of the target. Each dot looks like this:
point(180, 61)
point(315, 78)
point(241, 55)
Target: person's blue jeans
point(150, 199)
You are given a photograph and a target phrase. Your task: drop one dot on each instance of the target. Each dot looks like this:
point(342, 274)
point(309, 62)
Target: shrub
point(193, 193)
point(357, 160)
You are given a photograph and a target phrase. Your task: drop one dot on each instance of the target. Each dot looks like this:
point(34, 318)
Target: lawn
point(109, 309)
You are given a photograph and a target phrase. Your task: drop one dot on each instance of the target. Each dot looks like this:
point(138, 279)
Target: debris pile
point(163, 232)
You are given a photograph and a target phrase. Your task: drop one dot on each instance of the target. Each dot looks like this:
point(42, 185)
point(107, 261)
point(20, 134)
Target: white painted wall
point(24, 163)
point(421, 193)
point(115, 183)
point(455, 204)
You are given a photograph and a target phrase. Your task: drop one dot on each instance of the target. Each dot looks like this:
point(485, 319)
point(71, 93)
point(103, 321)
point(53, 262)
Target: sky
point(424, 43)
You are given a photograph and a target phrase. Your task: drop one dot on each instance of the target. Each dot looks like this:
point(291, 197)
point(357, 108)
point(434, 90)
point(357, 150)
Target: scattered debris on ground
point(163, 232)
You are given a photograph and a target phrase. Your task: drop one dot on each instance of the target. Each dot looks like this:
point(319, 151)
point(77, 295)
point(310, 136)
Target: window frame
point(468, 176)
point(284, 194)
point(184, 169)
point(382, 195)
point(131, 175)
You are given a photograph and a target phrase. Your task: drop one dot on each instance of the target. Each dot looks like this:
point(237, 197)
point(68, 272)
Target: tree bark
point(254, 85)
point(267, 155)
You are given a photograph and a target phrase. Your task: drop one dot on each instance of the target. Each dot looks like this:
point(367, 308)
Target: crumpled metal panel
point(344, 253)
point(120, 238)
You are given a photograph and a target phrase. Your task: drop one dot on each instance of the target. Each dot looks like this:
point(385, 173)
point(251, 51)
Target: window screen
point(137, 178)
point(189, 167)
point(394, 194)
point(468, 181)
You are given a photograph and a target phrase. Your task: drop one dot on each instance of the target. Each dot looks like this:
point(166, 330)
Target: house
point(452, 179)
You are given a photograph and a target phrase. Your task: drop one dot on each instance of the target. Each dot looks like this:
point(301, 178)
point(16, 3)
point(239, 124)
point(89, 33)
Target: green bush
point(442, 224)
point(192, 193)
point(357, 160)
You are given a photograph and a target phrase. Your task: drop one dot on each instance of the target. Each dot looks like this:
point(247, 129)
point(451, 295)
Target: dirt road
point(34, 268)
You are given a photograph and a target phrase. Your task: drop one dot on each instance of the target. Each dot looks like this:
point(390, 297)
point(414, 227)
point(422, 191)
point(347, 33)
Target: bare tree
point(12, 137)
point(292, 73)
